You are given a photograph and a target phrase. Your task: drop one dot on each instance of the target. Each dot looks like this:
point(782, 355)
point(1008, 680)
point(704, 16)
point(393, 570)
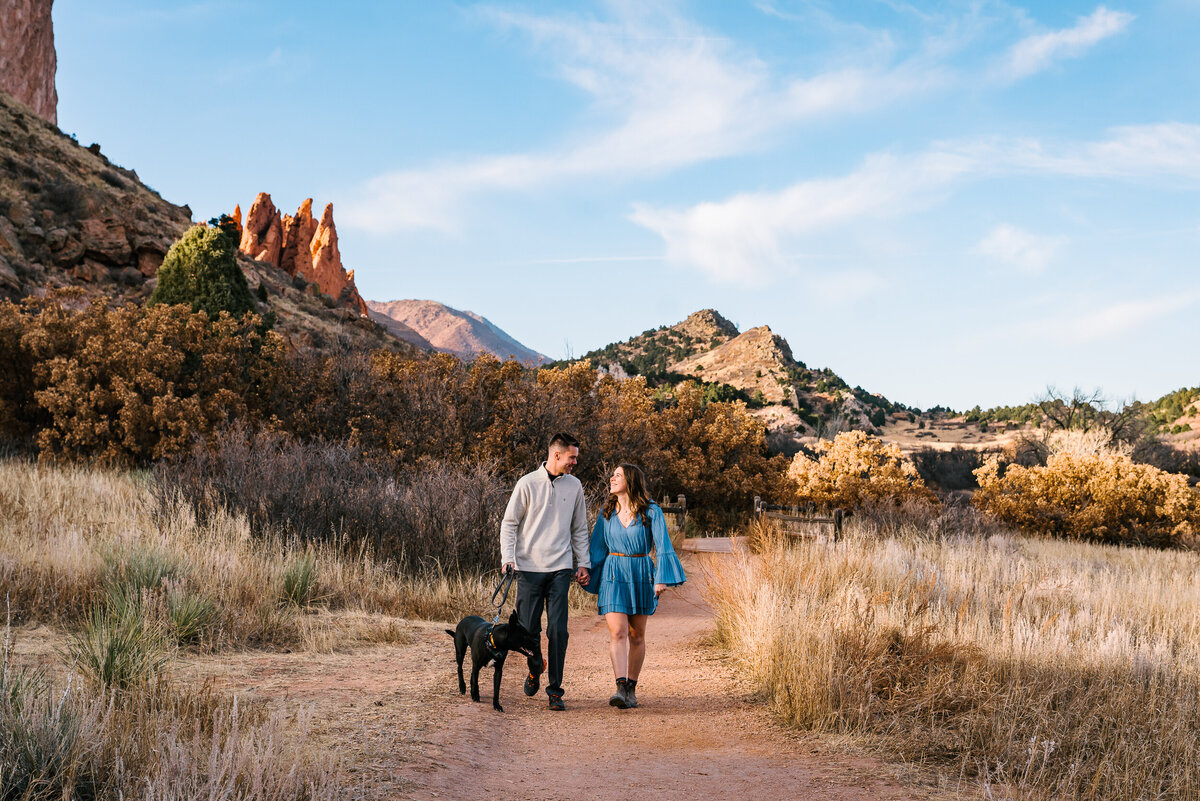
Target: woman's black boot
point(630, 696)
point(618, 698)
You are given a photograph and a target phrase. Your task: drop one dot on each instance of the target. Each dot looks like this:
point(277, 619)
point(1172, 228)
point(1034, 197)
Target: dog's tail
point(448, 631)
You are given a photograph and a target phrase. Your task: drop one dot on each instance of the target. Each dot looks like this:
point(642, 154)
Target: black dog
point(489, 643)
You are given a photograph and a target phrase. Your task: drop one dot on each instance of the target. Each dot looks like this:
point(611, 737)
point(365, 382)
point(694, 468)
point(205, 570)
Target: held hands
point(583, 576)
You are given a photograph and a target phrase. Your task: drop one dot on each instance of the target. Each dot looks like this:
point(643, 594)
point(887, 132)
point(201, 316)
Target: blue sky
point(948, 203)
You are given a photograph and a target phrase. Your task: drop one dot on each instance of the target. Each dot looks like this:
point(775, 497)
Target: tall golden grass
point(67, 534)
point(1046, 669)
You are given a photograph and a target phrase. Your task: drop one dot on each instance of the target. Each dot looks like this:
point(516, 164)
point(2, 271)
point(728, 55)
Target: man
point(545, 522)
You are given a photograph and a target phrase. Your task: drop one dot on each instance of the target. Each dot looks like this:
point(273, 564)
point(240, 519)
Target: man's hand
point(659, 589)
point(509, 567)
point(583, 576)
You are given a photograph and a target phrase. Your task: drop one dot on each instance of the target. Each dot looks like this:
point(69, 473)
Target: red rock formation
point(302, 246)
point(297, 238)
point(262, 235)
point(27, 58)
point(237, 215)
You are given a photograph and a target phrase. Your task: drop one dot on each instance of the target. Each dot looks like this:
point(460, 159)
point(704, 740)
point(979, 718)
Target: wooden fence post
point(837, 524)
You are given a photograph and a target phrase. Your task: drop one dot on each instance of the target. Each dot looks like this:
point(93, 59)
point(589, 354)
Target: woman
point(626, 578)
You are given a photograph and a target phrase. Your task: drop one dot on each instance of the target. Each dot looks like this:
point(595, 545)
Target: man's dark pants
point(548, 591)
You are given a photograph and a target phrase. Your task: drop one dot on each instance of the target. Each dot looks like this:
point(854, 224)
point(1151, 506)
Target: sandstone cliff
point(27, 58)
point(301, 246)
point(463, 333)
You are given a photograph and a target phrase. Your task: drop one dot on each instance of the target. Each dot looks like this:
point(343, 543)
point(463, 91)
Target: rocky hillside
point(756, 366)
point(652, 353)
point(463, 333)
point(71, 218)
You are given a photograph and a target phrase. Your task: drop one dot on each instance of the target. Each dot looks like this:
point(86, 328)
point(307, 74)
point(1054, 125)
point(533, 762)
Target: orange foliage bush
point(1101, 496)
point(856, 470)
point(132, 384)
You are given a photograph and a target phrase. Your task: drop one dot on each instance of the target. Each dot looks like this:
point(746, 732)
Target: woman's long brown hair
point(635, 480)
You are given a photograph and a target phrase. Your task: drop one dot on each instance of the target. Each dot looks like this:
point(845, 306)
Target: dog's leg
point(496, 674)
point(460, 651)
point(475, 666)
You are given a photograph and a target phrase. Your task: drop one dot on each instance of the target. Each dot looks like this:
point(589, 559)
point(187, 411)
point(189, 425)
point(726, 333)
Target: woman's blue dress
point(626, 583)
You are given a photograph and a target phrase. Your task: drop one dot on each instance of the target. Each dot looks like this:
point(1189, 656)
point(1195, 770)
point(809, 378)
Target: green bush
point(201, 271)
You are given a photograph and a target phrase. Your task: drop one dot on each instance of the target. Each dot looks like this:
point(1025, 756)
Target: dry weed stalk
point(1052, 669)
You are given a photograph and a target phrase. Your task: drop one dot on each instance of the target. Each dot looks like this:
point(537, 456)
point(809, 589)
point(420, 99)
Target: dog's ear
point(513, 620)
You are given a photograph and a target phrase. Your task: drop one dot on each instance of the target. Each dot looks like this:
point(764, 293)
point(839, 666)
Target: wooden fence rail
point(798, 514)
point(679, 509)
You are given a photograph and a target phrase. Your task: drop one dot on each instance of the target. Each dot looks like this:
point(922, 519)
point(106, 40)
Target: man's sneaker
point(556, 703)
point(618, 698)
point(531, 685)
point(630, 695)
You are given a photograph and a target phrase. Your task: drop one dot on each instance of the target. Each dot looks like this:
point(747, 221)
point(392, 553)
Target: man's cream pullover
point(545, 520)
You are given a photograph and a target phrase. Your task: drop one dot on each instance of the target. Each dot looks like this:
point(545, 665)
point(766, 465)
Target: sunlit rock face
point(301, 245)
point(27, 58)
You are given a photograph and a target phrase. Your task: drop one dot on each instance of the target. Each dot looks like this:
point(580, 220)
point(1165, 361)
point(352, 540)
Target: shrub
point(948, 470)
point(853, 470)
point(129, 385)
point(1102, 496)
point(435, 515)
point(201, 271)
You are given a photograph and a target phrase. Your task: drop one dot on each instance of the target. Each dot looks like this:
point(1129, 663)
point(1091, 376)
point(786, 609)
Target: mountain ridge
point(462, 333)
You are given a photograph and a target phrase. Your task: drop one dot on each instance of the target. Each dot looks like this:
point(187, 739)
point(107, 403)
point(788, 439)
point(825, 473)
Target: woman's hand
point(659, 589)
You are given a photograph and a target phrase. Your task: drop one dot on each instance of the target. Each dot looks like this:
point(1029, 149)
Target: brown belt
point(614, 553)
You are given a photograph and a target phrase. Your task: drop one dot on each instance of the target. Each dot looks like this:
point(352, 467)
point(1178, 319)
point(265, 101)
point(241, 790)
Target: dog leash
point(505, 584)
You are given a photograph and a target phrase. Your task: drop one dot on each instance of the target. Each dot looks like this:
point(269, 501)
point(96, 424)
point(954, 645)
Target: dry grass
point(1047, 669)
point(83, 742)
point(69, 535)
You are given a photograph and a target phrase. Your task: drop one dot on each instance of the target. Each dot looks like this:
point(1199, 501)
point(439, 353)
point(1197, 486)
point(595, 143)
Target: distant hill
point(463, 333)
point(756, 366)
point(71, 218)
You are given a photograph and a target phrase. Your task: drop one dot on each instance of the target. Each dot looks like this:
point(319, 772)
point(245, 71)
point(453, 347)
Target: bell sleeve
point(598, 552)
point(668, 569)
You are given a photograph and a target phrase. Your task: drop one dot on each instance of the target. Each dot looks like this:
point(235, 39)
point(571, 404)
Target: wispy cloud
point(749, 237)
point(1018, 248)
point(672, 95)
point(1035, 53)
point(1108, 321)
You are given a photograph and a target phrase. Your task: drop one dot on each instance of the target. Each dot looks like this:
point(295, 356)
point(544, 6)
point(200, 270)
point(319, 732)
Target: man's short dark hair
point(561, 440)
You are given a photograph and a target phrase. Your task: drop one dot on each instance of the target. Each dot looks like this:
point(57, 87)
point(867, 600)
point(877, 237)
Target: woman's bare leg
point(618, 642)
point(637, 644)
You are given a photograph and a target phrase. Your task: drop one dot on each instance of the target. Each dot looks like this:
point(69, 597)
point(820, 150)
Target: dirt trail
point(396, 713)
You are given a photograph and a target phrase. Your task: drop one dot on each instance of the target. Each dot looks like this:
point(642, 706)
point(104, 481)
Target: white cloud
point(1035, 53)
point(1026, 251)
point(748, 237)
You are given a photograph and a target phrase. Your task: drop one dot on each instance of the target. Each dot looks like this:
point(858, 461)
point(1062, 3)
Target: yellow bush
point(855, 470)
point(1102, 496)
